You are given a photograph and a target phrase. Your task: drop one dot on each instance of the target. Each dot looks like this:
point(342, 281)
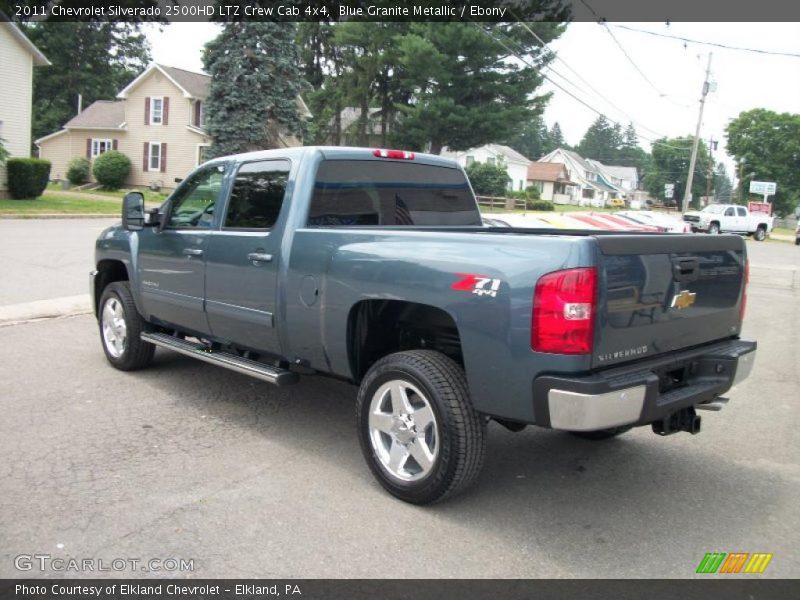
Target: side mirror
point(133, 211)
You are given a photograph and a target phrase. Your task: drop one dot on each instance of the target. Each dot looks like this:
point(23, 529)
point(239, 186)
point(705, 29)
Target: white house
point(515, 164)
point(594, 186)
point(18, 57)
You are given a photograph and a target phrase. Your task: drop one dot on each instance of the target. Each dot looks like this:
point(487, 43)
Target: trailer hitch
point(684, 420)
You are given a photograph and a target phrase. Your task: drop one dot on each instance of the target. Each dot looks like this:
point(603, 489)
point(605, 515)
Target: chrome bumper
point(589, 412)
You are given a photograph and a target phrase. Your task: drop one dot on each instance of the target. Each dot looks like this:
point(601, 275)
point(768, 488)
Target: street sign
point(669, 190)
point(765, 188)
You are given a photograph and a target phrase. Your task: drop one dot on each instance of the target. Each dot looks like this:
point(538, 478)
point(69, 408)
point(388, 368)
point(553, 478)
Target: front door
point(242, 258)
point(172, 261)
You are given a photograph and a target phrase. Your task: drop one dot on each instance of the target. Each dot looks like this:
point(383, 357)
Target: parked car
point(730, 218)
point(373, 267)
point(616, 203)
point(669, 222)
point(797, 235)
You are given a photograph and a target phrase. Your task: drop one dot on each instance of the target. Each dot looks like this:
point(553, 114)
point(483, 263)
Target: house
point(594, 187)
point(18, 57)
point(552, 181)
point(158, 121)
point(515, 164)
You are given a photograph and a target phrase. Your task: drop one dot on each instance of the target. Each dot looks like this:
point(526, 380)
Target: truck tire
point(602, 434)
point(713, 229)
point(120, 326)
point(760, 234)
point(419, 433)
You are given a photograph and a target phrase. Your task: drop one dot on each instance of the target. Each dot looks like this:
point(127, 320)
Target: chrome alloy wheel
point(115, 331)
point(403, 430)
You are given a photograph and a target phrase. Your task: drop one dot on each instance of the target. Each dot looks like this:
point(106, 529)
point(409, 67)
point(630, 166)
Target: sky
point(658, 88)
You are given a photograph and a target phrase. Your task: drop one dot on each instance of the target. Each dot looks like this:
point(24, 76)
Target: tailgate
point(660, 293)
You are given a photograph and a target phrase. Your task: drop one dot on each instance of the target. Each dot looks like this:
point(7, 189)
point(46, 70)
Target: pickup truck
point(373, 267)
point(730, 218)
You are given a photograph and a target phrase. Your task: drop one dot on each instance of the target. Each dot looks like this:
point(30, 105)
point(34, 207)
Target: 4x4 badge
point(683, 300)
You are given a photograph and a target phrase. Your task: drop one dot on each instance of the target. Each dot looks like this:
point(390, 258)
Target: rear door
point(664, 293)
point(242, 259)
point(172, 261)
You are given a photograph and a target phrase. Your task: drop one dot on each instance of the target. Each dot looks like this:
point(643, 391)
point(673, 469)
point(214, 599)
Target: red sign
point(760, 207)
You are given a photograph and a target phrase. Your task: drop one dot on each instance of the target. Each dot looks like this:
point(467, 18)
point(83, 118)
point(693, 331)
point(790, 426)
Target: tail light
point(399, 154)
point(743, 305)
point(564, 304)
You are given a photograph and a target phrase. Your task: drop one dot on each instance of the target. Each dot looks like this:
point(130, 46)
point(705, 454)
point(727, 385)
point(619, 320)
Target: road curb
point(66, 306)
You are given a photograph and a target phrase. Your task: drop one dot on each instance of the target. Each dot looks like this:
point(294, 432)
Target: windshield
point(714, 209)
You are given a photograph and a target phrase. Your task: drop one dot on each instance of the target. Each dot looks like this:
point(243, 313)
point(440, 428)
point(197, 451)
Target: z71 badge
point(477, 284)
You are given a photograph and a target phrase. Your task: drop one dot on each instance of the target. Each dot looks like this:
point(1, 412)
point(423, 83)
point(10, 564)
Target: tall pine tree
point(255, 81)
point(601, 141)
point(95, 60)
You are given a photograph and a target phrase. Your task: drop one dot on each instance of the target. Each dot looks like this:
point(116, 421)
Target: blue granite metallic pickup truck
point(373, 266)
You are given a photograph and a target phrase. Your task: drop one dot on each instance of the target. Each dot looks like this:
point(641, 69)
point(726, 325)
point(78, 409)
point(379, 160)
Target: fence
point(501, 203)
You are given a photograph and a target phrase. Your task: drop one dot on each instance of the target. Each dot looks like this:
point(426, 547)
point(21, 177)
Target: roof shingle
point(101, 114)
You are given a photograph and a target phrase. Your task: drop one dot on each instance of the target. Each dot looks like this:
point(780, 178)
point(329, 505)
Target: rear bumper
point(644, 392)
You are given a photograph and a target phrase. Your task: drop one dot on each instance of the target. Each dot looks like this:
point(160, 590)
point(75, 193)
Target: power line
point(566, 91)
point(715, 44)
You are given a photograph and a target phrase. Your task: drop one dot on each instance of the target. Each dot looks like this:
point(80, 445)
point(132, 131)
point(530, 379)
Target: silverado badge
point(683, 300)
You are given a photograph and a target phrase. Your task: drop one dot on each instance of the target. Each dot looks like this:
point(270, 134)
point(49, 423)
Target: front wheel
point(120, 328)
point(760, 234)
point(419, 433)
point(602, 434)
point(713, 229)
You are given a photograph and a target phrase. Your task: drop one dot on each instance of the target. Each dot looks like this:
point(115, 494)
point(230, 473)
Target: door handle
point(193, 252)
point(259, 257)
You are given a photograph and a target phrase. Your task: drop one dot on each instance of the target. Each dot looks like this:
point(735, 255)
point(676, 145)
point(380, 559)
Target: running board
point(273, 375)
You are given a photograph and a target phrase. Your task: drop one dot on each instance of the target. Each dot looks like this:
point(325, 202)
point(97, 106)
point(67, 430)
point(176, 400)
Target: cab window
point(257, 195)
point(730, 213)
point(192, 204)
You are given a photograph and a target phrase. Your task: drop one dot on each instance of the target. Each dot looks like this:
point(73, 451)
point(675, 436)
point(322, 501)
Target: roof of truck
point(337, 152)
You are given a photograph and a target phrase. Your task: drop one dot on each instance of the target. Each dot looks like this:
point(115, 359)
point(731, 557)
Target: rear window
point(374, 193)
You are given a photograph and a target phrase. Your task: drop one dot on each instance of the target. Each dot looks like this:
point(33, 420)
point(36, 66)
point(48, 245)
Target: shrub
point(27, 177)
point(111, 169)
point(487, 180)
point(533, 192)
point(3, 152)
point(78, 170)
point(538, 205)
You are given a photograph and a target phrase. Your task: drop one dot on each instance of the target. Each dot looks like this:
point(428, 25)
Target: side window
point(742, 212)
point(257, 195)
point(729, 212)
point(192, 204)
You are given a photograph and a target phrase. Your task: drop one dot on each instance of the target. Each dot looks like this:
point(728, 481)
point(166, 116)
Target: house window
point(591, 176)
point(470, 159)
point(521, 184)
point(100, 146)
point(154, 157)
point(588, 193)
point(201, 118)
point(202, 153)
point(156, 111)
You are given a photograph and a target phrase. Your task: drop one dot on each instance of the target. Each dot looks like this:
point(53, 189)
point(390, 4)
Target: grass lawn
point(150, 197)
point(783, 231)
point(48, 204)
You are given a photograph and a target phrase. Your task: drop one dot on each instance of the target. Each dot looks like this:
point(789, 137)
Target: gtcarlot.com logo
point(46, 562)
point(734, 562)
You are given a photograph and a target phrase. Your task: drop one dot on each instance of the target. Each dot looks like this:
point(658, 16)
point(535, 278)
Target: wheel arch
point(108, 271)
point(377, 328)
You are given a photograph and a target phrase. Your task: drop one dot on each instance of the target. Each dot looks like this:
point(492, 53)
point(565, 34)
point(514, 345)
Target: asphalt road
point(46, 258)
point(186, 460)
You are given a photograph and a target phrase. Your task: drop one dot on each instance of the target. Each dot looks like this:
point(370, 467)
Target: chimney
point(80, 103)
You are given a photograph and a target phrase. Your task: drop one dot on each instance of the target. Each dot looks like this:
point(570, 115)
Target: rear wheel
point(760, 234)
point(602, 434)
point(120, 328)
point(419, 433)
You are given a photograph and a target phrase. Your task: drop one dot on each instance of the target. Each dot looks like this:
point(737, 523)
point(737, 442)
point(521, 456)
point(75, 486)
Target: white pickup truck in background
point(730, 218)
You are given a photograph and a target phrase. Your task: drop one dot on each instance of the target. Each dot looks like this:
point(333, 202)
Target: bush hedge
point(111, 169)
point(27, 177)
point(78, 170)
point(538, 205)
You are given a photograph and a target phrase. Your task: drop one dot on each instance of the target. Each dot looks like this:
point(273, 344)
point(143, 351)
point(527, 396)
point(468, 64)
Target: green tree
point(488, 180)
point(670, 164)
point(464, 89)
point(723, 186)
point(255, 81)
point(630, 154)
point(532, 140)
point(767, 144)
point(95, 60)
point(556, 139)
point(601, 141)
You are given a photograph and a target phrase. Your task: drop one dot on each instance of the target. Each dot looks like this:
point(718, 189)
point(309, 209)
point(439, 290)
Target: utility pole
point(687, 195)
point(712, 145)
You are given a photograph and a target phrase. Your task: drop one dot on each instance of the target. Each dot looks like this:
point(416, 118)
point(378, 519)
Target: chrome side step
point(272, 375)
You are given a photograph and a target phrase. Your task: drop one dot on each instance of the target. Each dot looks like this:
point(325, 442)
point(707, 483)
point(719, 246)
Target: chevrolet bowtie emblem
point(683, 300)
